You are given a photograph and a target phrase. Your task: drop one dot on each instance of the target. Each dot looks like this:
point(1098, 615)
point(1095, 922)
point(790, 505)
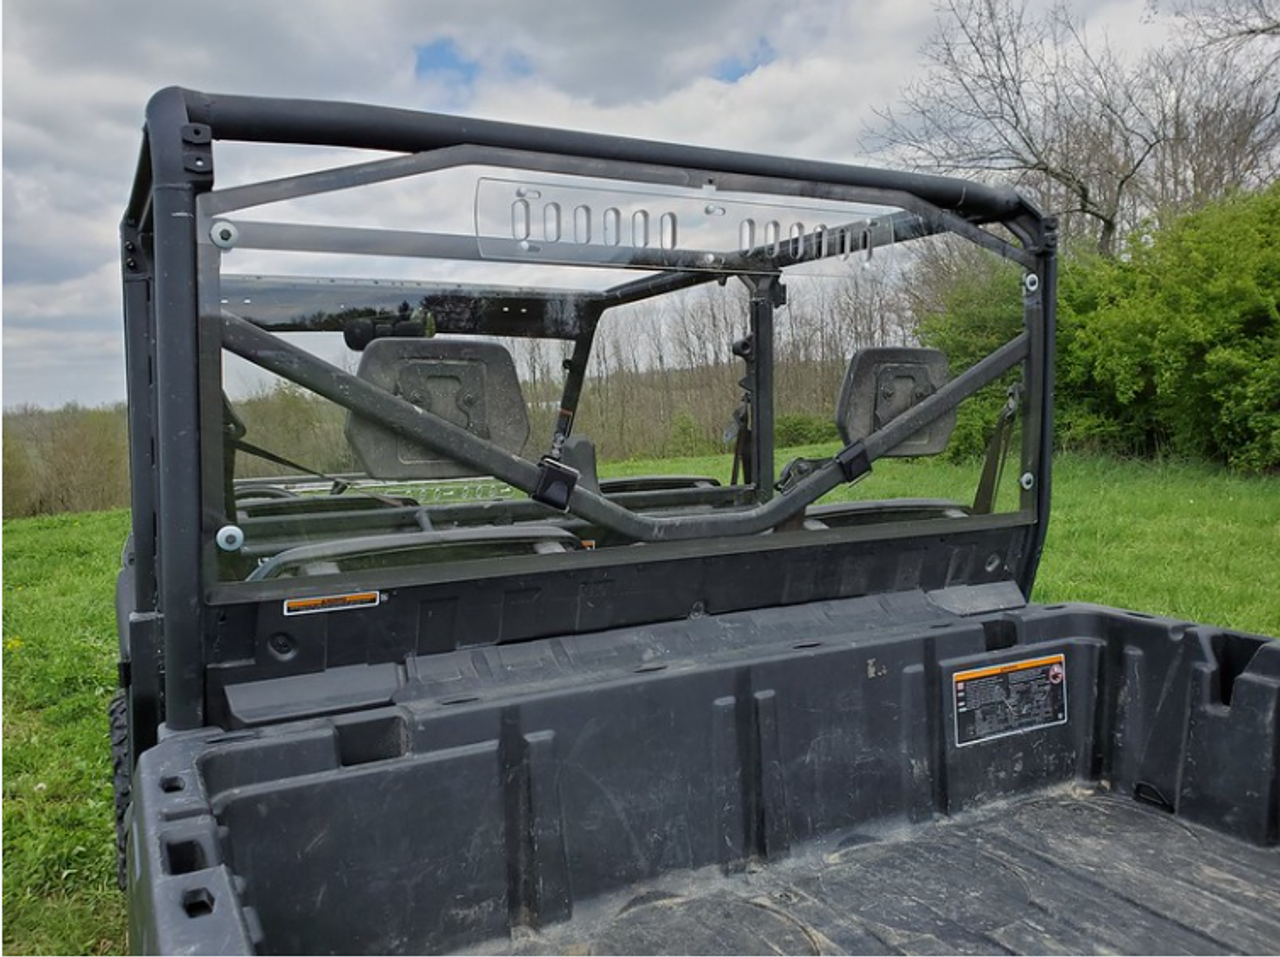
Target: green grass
point(1182, 540)
point(1185, 540)
point(890, 478)
point(59, 671)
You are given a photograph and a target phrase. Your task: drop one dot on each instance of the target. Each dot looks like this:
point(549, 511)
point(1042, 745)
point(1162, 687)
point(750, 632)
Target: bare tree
point(1234, 23)
point(1102, 140)
point(1220, 123)
point(868, 309)
point(1029, 98)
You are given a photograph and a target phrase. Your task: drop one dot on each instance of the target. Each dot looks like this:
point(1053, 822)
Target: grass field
point(1186, 541)
point(59, 672)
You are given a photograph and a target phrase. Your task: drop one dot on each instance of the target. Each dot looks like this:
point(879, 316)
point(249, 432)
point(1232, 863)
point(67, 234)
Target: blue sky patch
point(443, 56)
point(734, 68)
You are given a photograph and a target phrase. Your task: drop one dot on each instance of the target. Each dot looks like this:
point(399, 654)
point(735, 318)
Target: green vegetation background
point(1171, 348)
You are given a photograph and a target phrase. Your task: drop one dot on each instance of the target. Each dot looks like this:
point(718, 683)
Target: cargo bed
point(1064, 871)
point(871, 775)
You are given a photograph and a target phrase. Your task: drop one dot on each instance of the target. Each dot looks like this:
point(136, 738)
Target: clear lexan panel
point(649, 278)
point(465, 214)
point(582, 223)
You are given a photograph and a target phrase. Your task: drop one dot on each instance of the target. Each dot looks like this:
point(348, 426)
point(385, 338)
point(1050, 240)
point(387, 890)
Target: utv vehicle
point(470, 693)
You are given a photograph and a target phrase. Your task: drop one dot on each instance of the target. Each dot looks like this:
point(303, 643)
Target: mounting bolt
point(1027, 481)
point(224, 235)
point(230, 538)
point(197, 134)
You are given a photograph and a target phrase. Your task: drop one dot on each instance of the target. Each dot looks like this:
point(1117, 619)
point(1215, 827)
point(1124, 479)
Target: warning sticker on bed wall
point(1009, 699)
point(312, 606)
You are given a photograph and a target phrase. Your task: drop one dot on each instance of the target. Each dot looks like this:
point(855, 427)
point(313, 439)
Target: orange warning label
point(1000, 700)
point(1005, 669)
point(311, 606)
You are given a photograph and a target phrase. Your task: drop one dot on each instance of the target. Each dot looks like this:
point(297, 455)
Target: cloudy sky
point(777, 76)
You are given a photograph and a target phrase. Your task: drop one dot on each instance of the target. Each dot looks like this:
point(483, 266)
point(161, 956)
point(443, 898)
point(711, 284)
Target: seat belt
point(984, 502)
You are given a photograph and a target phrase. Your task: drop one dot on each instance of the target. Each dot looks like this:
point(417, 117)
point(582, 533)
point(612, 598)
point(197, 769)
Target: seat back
point(883, 382)
point(471, 384)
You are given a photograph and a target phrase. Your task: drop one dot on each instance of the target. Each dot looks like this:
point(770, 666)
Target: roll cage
point(191, 636)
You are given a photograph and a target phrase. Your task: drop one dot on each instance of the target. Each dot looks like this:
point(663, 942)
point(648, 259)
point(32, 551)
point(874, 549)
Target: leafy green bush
point(1089, 415)
point(1179, 343)
point(1172, 348)
point(979, 310)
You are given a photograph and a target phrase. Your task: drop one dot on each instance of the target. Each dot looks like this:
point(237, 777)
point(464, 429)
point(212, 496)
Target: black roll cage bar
point(173, 339)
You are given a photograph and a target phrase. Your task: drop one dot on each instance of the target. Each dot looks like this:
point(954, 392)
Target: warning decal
point(311, 606)
point(1009, 699)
